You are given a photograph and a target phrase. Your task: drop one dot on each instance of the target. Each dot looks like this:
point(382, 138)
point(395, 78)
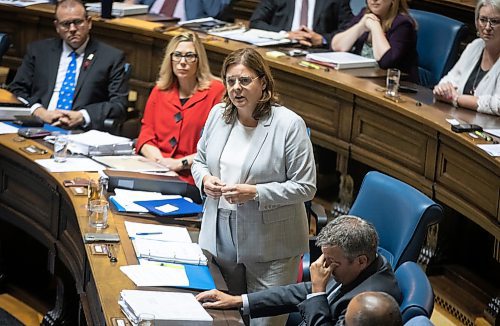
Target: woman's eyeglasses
point(190, 57)
point(67, 23)
point(242, 80)
point(483, 21)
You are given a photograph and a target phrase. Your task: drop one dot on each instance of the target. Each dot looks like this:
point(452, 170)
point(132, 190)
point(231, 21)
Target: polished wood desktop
point(347, 113)
point(36, 201)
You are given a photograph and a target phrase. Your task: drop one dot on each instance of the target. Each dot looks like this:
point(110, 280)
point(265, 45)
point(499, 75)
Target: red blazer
point(176, 129)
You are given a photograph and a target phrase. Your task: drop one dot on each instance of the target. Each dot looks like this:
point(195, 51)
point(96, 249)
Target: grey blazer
point(281, 164)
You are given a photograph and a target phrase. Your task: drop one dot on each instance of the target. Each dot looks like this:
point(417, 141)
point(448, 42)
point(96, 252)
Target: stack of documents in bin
point(341, 60)
point(120, 9)
point(94, 142)
point(167, 257)
point(169, 308)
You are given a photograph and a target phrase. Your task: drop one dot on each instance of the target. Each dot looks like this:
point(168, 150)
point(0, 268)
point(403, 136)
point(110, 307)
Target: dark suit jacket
point(321, 310)
point(101, 89)
point(277, 15)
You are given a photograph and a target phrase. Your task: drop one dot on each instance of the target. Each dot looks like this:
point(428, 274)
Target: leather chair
point(400, 214)
point(4, 44)
point(111, 125)
point(438, 41)
point(418, 297)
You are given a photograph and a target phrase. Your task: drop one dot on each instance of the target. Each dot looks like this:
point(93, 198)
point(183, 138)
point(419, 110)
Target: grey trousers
point(254, 276)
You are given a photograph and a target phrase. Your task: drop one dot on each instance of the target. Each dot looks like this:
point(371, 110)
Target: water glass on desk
point(98, 214)
point(60, 147)
point(392, 82)
point(146, 320)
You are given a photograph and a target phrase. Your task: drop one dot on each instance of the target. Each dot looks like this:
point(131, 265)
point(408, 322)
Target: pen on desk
point(148, 233)
point(308, 65)
point(483, 135)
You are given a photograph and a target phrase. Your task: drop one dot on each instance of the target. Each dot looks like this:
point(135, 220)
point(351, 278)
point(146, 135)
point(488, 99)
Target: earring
point(477, 34)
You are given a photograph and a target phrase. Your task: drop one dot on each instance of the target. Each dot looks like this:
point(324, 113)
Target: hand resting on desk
point(215, 299)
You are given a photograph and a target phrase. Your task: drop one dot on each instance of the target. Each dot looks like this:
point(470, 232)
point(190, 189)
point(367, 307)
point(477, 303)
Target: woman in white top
point(255, 165)
point(474, 82)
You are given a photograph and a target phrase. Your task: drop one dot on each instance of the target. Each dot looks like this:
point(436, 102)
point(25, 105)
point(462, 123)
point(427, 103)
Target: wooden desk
point(36, 201)
point(346, 114)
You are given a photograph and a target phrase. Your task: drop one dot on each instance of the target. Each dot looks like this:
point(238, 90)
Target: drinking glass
point(60, 147)
point(392, 82)
point(146, 320)
point(98, 214)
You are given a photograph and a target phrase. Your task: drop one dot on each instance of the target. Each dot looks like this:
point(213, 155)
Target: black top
point(475, 78)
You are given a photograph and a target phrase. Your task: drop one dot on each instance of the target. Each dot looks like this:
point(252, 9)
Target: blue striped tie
point(67, 91)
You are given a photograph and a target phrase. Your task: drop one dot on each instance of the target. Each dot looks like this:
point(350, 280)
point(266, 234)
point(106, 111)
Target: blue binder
point(199, 277)
point(185, 207)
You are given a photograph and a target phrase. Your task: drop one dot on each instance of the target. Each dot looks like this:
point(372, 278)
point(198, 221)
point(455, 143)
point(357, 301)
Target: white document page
point(72, 164)
point(494, 132)
point(157, 232)
point(491, 149)
point(156, 275)
point(7, 129)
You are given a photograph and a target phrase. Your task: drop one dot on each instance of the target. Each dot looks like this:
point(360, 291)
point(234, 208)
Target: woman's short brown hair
point(251, 59)
point(167, 77)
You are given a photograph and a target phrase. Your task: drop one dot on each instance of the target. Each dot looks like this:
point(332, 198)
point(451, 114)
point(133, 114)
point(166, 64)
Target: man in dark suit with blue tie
point(311, 23)
point(73, 81)
point(348, 266)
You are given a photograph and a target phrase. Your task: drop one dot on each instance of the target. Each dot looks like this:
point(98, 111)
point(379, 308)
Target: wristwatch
point(454, 102)
point(185, 164)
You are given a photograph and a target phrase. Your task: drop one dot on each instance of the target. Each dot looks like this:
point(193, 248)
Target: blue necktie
point(67, 91)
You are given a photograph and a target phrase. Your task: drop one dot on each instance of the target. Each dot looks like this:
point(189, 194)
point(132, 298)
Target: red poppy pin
point(88, 61)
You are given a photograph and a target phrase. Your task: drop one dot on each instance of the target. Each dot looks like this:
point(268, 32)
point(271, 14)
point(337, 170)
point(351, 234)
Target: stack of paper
point(22, 3)
point(163, 243)
point(120, 9)
point(94, 142)
point(253, 36)
point(341, 60)
point(169, 308)
point(72, 164)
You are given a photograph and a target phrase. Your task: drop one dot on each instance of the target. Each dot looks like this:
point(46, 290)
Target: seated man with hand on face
point(348, 266)
point(73, 81)
point(309, 22)
point(373, 309)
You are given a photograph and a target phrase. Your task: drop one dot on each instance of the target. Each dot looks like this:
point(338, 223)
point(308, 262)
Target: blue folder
point(199, 277)
point(185, 207)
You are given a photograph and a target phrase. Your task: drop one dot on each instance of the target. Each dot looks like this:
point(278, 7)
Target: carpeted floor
point(6, 319)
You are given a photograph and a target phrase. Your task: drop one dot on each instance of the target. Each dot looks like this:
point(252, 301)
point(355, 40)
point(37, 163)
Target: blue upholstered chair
point(400, 214)
point(356, 6)
point(438, 40)
point(418, 297)
point(4, 44)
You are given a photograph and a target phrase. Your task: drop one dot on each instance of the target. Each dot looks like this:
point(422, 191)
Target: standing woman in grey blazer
point(255, 166)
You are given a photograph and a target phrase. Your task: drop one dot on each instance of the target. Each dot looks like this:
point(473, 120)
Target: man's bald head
point(373, 309)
